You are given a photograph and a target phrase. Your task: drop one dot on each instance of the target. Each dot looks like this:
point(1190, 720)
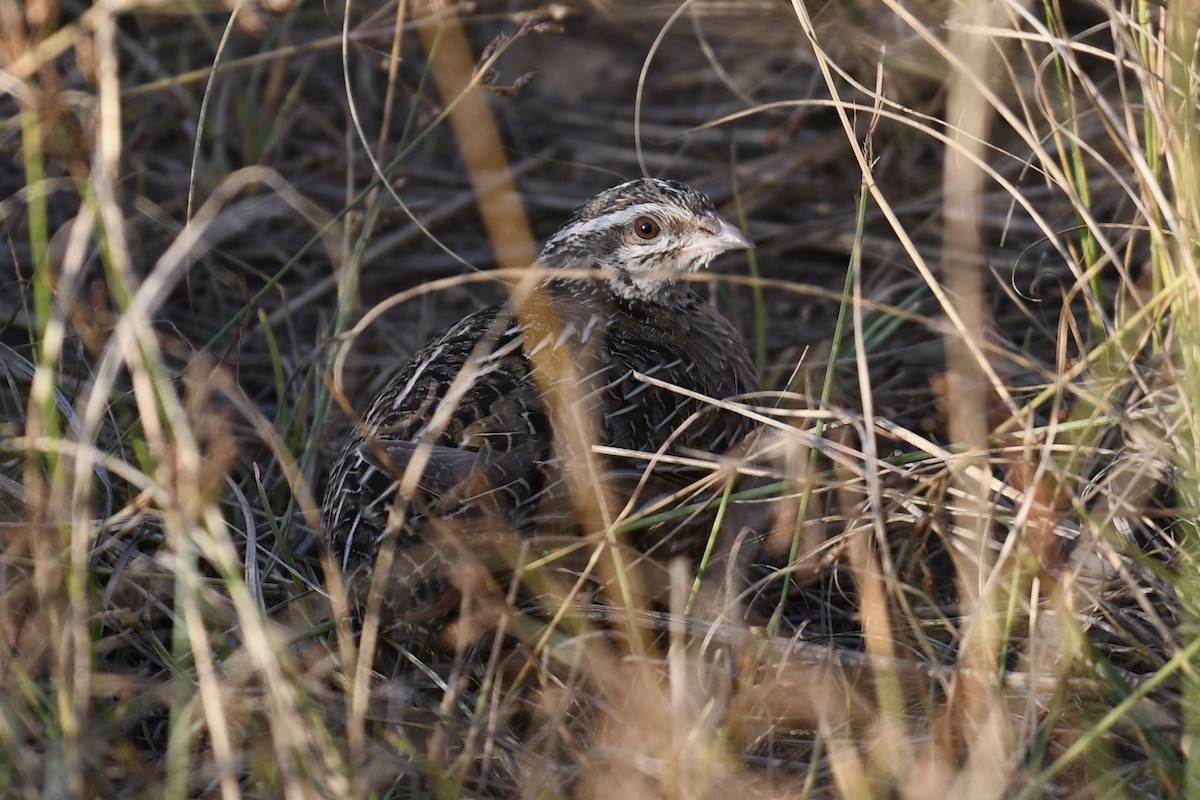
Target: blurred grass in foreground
point(974, 303)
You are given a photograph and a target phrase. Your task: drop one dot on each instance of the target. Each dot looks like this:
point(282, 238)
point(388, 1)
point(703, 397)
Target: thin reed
point(962, 556)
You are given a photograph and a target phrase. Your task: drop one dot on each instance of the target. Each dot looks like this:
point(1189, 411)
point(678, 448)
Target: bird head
point(643, 234)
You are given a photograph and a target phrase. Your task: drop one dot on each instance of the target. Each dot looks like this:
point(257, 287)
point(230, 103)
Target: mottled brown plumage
point(471, 418)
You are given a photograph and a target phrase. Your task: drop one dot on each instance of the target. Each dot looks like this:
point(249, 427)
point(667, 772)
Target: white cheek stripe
point(613, 219)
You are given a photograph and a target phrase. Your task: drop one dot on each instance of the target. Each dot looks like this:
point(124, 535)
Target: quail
point(488, 433)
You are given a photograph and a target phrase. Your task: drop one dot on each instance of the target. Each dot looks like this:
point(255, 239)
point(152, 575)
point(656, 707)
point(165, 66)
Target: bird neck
point(631, 294)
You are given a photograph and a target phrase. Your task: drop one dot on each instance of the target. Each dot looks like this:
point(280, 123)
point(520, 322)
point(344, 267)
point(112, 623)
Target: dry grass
point(963, 561)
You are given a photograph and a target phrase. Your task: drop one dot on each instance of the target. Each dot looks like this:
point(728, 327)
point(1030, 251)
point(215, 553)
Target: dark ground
point(786, 171)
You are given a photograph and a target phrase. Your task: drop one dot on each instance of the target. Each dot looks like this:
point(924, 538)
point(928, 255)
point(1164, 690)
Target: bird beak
point(726, 236)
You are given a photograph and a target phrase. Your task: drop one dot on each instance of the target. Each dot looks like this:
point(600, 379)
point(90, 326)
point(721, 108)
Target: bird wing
point(449, 470)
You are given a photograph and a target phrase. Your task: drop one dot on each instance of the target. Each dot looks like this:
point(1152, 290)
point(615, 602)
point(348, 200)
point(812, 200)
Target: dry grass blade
point(959, 557)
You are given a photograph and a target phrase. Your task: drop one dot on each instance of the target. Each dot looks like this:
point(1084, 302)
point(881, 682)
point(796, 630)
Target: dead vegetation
point(966, 555)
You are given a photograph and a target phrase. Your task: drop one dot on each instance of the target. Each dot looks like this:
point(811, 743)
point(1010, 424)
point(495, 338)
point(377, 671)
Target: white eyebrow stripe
point(613, 219)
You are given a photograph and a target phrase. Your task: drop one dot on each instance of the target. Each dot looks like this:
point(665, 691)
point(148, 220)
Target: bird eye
point(645, 227)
